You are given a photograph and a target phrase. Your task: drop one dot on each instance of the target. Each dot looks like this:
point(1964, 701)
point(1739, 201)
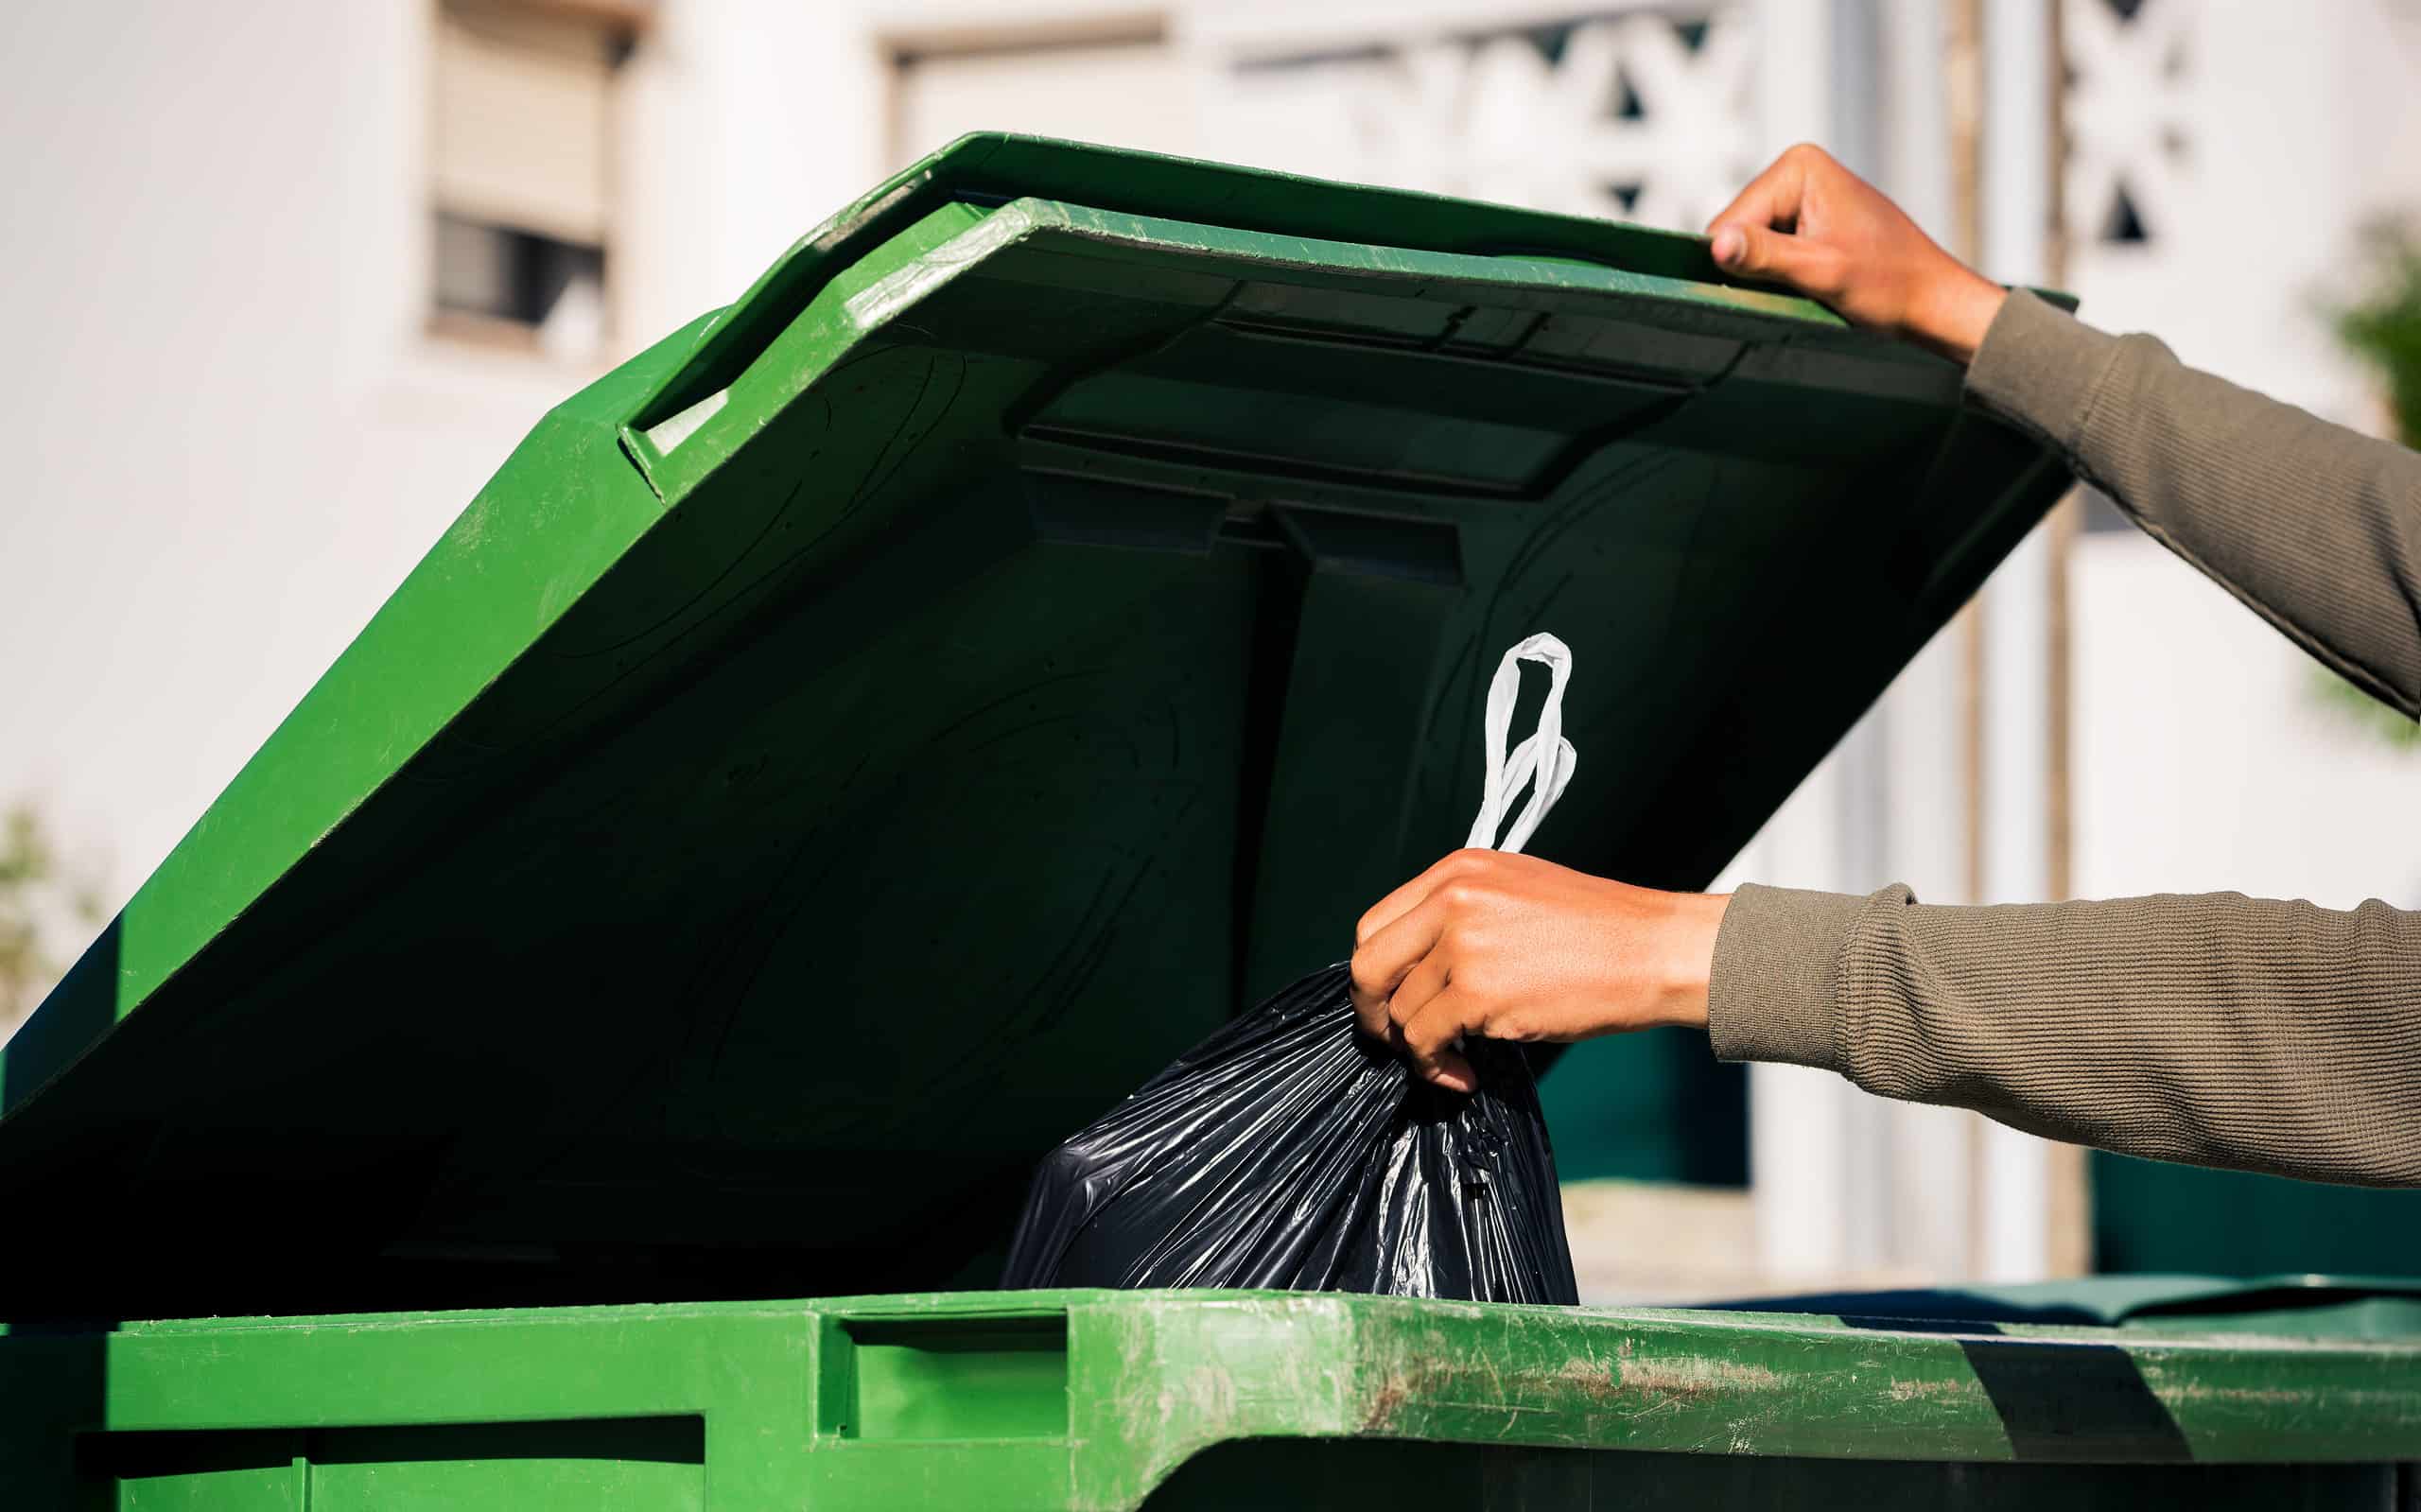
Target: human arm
point(2315, 527)
point(2220, 1030)
point(2217, 1030)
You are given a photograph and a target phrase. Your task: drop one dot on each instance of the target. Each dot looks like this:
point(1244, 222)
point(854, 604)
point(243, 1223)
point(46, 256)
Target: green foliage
point(2362, 711)
point(37, 897)
point(2383, 327)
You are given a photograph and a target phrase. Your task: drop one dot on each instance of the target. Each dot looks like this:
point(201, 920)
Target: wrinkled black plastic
point(1288, 1150)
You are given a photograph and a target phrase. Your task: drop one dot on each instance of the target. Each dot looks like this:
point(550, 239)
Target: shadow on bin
point(76, 1015)
point(2089, 1402)
point(56, 1371)
point(54, 1391)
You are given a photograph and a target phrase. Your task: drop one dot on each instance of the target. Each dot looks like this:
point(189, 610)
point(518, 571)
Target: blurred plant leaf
point(38, 894)
point(2359, 710)
point(2384, 325)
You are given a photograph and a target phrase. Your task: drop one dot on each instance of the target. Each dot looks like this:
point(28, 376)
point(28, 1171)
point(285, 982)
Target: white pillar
point(1803, 1170)
point(1843, 1183)
point(1931, 1180)
point(2015, 1233)
point(1849, 1185)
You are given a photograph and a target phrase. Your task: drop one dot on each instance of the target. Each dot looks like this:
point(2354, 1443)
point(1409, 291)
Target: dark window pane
point(508, 274)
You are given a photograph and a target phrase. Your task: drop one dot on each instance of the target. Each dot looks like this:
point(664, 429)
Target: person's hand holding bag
point(1513, 947)
point(1493, 942)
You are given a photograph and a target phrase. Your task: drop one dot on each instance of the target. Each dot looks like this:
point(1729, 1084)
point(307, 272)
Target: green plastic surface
point(2153, 1216)
point(1100, 1400)
point(2305, 1305)
point(850, 745)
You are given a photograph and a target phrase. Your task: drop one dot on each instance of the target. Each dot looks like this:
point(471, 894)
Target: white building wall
point(2205, 758)
point(232, 437)
point(224, 443)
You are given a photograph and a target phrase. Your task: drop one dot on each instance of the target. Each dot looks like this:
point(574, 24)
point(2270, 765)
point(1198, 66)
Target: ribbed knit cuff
point(1769, 997)
point(2040, 367)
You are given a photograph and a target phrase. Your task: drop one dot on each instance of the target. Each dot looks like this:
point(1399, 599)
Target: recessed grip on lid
point(984, 169)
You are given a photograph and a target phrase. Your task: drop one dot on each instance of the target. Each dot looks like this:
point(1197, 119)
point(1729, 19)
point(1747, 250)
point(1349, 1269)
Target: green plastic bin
point(863, 737)
point(1106, 1399)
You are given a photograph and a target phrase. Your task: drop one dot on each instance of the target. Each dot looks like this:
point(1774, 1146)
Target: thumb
point(1795, 262)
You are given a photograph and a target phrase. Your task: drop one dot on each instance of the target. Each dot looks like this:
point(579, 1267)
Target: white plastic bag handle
point(1507, 773)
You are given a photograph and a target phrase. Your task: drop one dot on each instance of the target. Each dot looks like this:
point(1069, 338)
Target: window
point(522, 170)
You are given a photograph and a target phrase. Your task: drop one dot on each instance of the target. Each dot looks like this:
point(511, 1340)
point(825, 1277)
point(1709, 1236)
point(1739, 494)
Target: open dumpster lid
point(852, 743)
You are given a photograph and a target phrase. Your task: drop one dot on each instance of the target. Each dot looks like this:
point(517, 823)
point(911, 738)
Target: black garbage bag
point(1289, 1150)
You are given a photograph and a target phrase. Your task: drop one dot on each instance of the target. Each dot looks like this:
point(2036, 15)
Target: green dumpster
point(1103, 1399)
point(852, 743)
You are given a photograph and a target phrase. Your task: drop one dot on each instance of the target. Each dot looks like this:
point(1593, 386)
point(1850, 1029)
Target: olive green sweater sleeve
point(2316, 527)
point(2217, 1030)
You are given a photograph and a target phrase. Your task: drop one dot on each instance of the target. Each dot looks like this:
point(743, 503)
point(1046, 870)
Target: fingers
point(1433, 1035)
point(1379, 967)
point(1755, 233)
point(1406, 898)
point(1426, 981)
point(1384, 960)
point(1808, 266)
point(1772, 198)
